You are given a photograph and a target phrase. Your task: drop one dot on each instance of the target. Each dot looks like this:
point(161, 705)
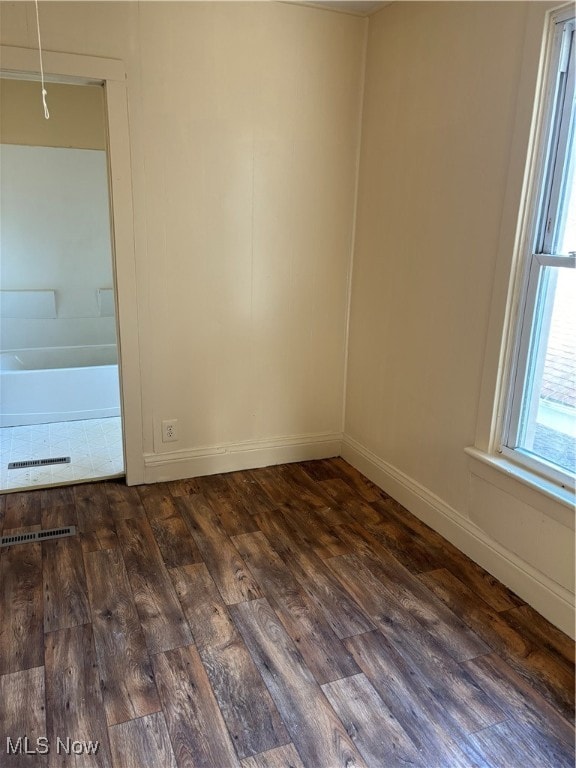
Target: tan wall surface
point(436, 134)
point(440, 103)
point(244, 130)
point(76, 115)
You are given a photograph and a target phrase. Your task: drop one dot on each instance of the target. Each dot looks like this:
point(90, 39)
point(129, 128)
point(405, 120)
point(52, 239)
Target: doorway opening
point(60, 404)
point(110, 75)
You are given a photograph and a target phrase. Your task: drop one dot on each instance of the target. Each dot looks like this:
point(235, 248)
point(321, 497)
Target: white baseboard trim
point(211, 460)
point(550, 599)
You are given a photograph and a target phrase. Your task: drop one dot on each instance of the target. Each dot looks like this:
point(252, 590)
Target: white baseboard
point(550, 599)
point(176, 465)
point(546, 596)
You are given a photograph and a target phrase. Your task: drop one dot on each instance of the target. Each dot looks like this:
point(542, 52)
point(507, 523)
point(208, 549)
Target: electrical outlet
point(170, 431)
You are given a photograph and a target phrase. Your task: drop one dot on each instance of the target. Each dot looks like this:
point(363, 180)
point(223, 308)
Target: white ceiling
point(357, 7)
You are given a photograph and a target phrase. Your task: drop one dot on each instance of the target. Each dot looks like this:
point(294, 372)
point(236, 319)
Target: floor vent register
point(26, 538)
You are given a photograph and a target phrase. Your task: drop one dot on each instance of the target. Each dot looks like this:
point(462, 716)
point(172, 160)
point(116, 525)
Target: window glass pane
point(548, 418)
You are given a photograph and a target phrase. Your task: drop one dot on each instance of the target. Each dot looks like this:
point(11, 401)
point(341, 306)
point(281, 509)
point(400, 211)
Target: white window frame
point(538, 239)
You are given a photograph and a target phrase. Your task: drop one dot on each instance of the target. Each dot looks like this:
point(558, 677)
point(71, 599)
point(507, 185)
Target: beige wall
point(77, 117)
point(244, 125)
point(436, 136)
point(442, 86)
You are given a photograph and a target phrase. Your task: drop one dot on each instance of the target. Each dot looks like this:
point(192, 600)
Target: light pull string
point(44, 92)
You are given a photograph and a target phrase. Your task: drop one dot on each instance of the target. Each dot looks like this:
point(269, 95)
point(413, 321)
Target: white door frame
point(22, 63)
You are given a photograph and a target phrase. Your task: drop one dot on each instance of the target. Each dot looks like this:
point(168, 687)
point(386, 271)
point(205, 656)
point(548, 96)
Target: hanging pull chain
point(44, 92)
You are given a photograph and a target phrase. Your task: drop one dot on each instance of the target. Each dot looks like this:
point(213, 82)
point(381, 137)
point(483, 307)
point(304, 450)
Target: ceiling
point(356, 7)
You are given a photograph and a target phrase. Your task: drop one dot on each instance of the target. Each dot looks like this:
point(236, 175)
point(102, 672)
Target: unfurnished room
point(287, 384)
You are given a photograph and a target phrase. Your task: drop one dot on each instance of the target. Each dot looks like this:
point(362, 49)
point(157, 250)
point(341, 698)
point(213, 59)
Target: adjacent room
point(320, 258)
point(60, 408)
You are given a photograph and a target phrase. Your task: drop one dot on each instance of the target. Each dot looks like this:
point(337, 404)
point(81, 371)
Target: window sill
point(527, 486)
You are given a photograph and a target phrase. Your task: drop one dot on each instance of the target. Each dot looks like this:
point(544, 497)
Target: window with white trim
point(540, 425)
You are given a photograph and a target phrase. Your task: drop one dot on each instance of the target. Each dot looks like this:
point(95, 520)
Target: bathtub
point(38, 386)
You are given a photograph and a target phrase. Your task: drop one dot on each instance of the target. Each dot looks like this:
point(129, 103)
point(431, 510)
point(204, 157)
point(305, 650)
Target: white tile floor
point(94, 446)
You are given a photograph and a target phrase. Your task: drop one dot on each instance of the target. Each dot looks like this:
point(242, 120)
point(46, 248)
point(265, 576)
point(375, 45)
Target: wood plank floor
point(293, 616)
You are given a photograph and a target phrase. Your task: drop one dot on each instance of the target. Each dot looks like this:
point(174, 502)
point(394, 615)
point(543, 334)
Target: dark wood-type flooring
point(288, 616)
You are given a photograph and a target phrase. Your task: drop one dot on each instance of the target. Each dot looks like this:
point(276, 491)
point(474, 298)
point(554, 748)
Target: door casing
point(22, 63)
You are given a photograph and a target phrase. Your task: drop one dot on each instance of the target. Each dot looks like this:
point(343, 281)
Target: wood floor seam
point(294, 615)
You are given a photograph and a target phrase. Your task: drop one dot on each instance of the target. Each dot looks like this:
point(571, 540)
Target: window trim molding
point(518, 222)
point(521, 483)
point(551, 132)
point(514, 395)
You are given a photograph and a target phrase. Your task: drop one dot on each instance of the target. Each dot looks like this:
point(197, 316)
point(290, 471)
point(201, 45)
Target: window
point(540, 425)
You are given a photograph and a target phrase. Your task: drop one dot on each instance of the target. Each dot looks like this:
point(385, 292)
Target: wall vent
point(38, 462)
point(26, 538)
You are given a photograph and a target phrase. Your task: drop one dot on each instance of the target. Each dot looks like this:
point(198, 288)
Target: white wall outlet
point(170, 431)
